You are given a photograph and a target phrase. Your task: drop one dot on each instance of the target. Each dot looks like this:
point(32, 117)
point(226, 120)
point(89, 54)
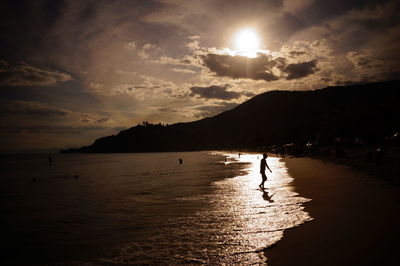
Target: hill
point(368, 112)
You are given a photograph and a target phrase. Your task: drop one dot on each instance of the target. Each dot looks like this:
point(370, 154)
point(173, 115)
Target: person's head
point(265, 155)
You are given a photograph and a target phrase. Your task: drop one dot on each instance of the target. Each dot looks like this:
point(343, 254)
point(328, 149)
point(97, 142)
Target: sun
point(247, 42)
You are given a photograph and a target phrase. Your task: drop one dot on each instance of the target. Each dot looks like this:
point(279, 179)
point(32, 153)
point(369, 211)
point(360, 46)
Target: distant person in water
point(263, 165)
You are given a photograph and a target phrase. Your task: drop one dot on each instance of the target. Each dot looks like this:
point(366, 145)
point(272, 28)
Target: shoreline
point(355, 218)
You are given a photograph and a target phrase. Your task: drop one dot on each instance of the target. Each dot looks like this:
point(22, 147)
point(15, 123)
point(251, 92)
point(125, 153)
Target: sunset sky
point(73, 71)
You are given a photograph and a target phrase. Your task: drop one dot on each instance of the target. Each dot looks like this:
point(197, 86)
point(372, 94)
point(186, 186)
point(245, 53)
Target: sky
point(73, 71)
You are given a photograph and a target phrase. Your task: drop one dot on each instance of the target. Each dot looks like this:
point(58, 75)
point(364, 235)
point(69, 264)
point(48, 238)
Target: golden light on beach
point(247, 42)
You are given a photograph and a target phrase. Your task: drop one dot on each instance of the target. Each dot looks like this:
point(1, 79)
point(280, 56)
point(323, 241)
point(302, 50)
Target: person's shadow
point(267, 197)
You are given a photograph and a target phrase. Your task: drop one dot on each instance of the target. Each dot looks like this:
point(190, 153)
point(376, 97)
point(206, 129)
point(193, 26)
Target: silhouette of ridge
point(368, 111)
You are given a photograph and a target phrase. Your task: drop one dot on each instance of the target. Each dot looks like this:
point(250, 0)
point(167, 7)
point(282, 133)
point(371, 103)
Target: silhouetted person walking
point(263, 165)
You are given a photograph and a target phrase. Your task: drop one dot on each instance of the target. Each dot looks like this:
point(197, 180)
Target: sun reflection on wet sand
point(279, 178)
point(259, 217)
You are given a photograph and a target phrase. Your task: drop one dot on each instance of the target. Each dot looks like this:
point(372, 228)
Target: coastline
point(378, 161)
point(355, 218)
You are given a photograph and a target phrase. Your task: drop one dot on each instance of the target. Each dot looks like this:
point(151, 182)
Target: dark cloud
point(31, 108)
point(26, 75)
point(300, 70)
point(258, 68)
point(215, 92)
point(249, 94)
point(167, 110)
point(319, 11)
point(360, 25)
point(186, 61)
point(369, 67)
point(32, 111)
point(262, 67)
point(300, 15)
point(57, 130)
point(102, 120)
point(286, 24)
point(36, 20)
point(91, 120)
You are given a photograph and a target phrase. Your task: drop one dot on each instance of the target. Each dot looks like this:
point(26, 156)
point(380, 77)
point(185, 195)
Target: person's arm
point(267, 167)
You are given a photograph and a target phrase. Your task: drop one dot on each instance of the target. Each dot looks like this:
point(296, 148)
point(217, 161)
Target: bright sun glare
point(247, 42)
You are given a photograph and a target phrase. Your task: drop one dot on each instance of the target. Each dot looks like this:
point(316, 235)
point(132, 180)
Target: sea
point(144, 208)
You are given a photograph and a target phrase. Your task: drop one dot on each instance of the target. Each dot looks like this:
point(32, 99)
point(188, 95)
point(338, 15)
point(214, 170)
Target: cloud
point(148, 50)
point(52, 129)
point(183, 70)
point(368, 67)
point(297, 53)
point(263, 67)
point(32, 108)
point(187, 64)
point(258, 68)
point(294, 6)
point(102, 120)
point(26, 75)
point(364, 60)
point(215, 92)
point(300, 70)
point(373, 26)
point(148, 89)
point(37, 111)
point(165, 60)
point(90, 118)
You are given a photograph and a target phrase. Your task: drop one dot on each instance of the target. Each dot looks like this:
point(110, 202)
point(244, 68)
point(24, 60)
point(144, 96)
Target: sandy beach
point(356, 218)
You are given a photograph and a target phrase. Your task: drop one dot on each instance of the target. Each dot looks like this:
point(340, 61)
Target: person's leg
point(264, 178)
point(262, 181)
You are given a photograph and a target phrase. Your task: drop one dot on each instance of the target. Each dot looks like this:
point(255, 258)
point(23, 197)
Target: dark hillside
point(368, 111)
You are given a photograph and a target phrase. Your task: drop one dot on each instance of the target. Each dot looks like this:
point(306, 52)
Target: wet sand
point(356, 218)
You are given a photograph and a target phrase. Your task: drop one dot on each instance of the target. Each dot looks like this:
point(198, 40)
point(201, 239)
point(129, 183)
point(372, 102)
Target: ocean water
point(121, 209)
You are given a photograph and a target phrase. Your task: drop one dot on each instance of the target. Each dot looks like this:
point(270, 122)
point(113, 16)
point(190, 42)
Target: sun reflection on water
point(279, 178)
point(236, 223)
point(259, 217)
